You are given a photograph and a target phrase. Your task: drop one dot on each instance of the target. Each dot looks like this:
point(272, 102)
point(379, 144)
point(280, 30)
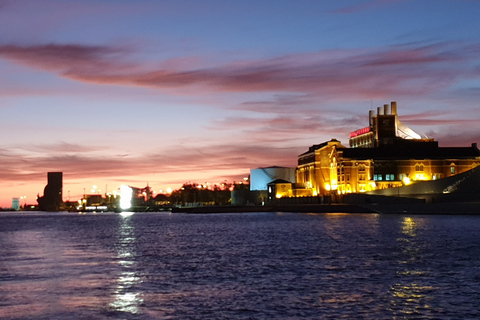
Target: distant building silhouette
point(52, 194)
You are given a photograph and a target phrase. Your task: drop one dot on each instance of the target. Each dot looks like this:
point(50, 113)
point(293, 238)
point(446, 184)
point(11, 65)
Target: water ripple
point(239, 266)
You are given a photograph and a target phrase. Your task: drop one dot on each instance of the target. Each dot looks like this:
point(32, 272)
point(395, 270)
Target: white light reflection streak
point(126, 299)
point(409, 296)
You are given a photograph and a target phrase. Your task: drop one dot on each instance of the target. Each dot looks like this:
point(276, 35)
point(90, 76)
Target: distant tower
point(52, 194)
point(384, 129)
point(15, 204)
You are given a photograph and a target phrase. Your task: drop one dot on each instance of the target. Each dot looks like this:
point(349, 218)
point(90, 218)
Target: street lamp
point(24, 198)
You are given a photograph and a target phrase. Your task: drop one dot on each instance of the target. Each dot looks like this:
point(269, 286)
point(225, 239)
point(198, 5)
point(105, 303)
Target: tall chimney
point(371, 115)
point(387, 109)
point(380, 111)
point(394, 107)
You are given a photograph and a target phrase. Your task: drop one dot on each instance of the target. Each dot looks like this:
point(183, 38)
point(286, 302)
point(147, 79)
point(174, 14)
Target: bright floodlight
point(125, 197)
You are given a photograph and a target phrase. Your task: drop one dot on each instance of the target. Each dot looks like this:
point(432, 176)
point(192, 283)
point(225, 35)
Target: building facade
point(383, 155)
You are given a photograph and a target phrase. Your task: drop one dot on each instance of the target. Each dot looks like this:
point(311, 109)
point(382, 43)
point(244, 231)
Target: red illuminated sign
point(359, 132)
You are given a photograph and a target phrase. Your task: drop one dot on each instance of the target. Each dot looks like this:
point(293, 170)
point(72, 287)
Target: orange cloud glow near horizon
point(125, 93)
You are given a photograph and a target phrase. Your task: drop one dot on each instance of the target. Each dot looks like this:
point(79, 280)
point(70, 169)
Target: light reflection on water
point(239, 266)
point(408, 296)
point(126, 297)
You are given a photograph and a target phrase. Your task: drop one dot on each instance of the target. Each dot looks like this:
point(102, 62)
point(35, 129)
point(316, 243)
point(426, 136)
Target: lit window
point(452, 170)
point(389, 177)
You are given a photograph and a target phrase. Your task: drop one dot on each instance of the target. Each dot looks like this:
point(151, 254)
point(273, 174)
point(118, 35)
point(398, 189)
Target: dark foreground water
point(239, 266)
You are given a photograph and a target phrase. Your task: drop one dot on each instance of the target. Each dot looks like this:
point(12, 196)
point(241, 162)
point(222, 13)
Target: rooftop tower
point(384, 129)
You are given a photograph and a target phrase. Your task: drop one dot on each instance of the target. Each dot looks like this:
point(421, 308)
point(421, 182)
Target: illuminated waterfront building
point(383, 155)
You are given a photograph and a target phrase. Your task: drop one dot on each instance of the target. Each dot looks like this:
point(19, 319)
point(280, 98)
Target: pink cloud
point(22, 174)
point(291, 128)
point(374, 73)
point(450, 136)
point(18, 166)
point(60, 57)
point(440, 118)
point(437, 122)
point(64, 147)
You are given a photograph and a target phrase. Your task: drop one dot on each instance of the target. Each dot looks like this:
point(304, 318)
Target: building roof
point(318, 146)
point(413, 150)
point(273, 167)
point(278, 181)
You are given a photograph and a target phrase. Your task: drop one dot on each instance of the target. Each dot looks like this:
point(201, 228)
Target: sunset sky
point(167, 92)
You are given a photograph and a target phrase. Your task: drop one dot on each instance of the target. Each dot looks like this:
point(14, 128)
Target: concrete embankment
point(312, 208)
point(459, 208)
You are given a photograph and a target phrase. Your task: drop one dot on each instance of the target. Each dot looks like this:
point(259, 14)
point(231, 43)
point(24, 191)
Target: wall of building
point(261, 177)
point(279, 190)
point(391, 155)
point(320, 175)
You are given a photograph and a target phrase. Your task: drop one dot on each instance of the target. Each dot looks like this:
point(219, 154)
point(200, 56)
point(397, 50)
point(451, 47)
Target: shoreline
point(411, 208)
point(313, 208)
point(445, 208)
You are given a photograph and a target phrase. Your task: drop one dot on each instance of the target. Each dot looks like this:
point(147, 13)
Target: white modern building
point(261, 177)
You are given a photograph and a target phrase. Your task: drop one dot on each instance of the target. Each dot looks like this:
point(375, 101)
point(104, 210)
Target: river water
point(239, 266)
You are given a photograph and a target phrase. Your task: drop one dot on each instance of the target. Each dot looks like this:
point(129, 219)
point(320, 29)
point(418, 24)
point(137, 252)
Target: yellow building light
point(421, 176)
point(406, 181)
point(278, 195)
point(334, 185)
point(327, 187)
